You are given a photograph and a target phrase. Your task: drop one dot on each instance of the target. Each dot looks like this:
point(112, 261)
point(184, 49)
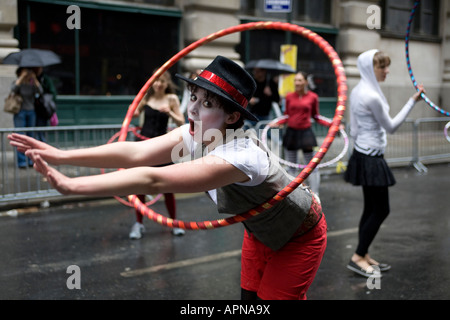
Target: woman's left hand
point(55, 178)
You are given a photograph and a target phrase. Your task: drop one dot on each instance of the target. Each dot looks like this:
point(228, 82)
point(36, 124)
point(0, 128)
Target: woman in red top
point(301, 106)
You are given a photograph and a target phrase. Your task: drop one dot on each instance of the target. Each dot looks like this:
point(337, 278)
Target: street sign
point(277, 6)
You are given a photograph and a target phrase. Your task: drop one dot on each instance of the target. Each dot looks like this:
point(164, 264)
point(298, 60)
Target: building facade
point(110, 48)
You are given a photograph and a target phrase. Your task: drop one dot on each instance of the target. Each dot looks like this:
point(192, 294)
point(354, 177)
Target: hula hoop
point(122, 201)
point(334, 128)
point(298, 165)
point(408, 63)
point(446, 131)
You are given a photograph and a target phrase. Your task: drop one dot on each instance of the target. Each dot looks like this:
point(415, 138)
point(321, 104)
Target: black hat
point(229, 81)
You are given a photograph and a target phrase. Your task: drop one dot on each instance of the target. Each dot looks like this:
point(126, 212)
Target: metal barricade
point(430, 144)
point(416, 142)
point(22, 185)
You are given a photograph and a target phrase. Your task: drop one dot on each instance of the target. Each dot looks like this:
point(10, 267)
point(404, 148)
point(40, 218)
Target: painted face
point(206, 117)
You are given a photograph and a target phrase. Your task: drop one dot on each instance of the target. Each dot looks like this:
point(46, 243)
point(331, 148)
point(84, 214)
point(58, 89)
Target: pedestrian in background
point(159, 104)
point(28, 87)
point(48, 95)
point(302, 105)
point(369, 123)
point(266, 93)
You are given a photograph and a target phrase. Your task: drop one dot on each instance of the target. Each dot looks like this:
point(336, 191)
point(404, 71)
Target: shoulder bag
point(13, 103)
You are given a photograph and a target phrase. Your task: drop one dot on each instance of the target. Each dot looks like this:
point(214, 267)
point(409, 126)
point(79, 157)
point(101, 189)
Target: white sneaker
point(178, 231)
point(137, 230)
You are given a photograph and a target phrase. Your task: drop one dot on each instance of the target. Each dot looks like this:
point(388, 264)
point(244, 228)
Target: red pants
point(287, 273)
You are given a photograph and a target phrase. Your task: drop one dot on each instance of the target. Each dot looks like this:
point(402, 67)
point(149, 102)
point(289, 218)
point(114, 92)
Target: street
point(40, 248)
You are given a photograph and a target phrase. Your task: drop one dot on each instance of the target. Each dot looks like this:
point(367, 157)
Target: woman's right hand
point(418, 95)
point(32, 147)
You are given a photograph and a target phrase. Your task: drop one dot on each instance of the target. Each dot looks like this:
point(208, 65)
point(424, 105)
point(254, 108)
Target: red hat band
point(228, 88)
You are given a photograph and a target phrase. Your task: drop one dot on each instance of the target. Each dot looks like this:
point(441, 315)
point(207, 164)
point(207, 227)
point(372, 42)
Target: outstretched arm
point(115, 155)
point(194, 176)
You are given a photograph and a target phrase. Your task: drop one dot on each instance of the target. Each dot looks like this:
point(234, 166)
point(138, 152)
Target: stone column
point(200, 19)
point(354, 35)
point(445, 90)
point(8, 20)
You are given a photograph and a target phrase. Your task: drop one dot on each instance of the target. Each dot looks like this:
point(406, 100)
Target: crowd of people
point(283, 246)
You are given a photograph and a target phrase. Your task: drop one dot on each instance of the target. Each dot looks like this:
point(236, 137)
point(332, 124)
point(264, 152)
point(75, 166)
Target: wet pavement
point(39, 247)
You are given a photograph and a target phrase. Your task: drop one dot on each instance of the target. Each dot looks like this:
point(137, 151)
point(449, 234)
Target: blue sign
point(277, 6)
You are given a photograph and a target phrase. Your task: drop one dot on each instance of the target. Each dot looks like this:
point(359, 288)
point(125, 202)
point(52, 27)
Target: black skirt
point(368, 171)
point(299, 139)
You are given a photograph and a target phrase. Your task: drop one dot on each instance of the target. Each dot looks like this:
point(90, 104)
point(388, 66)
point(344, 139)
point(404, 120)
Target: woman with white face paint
point(282, 247)
point(369, 123)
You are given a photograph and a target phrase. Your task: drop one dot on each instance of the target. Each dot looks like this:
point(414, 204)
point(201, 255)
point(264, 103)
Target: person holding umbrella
point(32, 61)
point(265, 72)
point(30, 58)
point(27, 86)
point(266, 93)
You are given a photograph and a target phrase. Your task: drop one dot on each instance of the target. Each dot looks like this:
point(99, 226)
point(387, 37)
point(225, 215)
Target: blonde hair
point(381, 60)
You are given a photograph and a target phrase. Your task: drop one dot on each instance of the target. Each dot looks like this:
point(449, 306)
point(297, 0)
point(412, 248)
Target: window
point(114, 52)
point(426, 19)
point(266, 44)
point(315, 11)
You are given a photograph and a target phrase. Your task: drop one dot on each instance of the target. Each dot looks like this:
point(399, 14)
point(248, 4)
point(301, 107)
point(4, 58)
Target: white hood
point(369, 110)
point(363, 126)
point(368, 78)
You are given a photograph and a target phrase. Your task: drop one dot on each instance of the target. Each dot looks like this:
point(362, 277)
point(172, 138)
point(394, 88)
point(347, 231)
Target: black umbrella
point(29, 58)
point(274, 67)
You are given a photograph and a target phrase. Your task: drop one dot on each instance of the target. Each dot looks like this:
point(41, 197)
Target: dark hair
point(304, 74)
point(224, 104)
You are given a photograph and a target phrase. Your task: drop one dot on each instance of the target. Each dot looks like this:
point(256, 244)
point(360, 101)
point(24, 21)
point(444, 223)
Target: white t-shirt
point(242, 152)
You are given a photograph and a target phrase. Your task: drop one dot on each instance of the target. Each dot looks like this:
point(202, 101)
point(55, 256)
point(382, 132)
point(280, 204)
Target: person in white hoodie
point(369, 123)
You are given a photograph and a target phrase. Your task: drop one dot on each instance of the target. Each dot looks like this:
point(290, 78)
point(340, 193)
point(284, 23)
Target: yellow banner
point(288, 56)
